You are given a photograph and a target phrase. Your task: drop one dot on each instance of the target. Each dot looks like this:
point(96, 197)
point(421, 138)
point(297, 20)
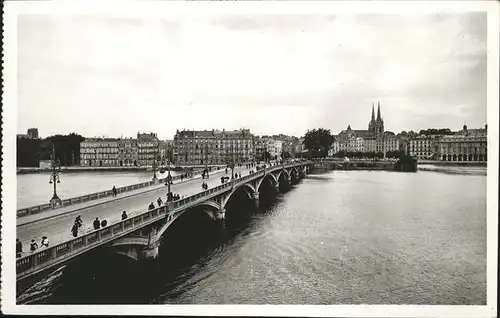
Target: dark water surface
point(344, 237)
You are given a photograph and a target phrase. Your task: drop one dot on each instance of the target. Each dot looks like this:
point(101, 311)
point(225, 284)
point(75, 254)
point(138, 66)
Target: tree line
point(67, 149)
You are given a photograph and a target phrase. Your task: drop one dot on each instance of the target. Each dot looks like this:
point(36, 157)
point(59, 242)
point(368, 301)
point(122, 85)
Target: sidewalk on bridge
point(81, 206)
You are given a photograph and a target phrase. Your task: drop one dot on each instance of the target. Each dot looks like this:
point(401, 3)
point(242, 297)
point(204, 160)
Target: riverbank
point(403, 165)
point(84, 169)
point(26, 170)
point(453, 163)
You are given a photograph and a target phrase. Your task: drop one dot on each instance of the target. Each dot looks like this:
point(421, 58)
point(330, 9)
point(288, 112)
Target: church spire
point(373, 111)
point(378, 112)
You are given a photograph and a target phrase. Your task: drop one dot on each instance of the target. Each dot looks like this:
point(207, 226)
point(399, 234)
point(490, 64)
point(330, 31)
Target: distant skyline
point(104, 76)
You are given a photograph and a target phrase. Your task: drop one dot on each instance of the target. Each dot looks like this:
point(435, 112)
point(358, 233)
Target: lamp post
point(54, 178)
point(169, 178)
point(206, 160)
point(154, 163)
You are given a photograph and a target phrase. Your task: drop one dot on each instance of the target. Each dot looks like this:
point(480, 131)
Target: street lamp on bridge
point(156, 154)
point(169, 180)
point(54, 177)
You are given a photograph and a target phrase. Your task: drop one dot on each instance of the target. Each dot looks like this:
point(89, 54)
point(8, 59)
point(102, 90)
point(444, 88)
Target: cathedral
point(376, 126)
point(375, 139)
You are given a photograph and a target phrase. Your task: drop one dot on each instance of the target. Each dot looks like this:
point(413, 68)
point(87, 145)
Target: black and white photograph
point(280, 158)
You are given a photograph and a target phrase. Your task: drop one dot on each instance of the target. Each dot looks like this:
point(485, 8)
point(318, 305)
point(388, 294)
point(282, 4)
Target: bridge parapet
point(48, 257)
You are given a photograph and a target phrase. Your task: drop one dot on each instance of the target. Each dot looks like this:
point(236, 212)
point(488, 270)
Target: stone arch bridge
point(139, 236)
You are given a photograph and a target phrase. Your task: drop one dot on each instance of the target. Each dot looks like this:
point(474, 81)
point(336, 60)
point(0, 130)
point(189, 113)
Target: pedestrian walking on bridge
point(114, 191)
point(97, 224)
point(45, 241)
point(33, 246)
point(19, 248)
point(159, 201)
point(124, 215)
point(79, 221)
point(74, 229)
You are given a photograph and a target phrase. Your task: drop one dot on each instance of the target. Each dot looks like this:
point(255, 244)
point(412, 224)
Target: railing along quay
point(90, 197)
point(43, 259)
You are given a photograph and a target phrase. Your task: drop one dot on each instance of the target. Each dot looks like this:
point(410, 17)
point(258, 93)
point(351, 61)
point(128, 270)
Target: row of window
point(98, 145)
point(108, 155)
point(455, 144)
point(99, 150)
point(464, 150)
point(239, 145)
point(212, 140)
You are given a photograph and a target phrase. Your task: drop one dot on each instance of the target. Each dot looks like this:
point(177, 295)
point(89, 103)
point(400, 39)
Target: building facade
point(213, 147)
point(120, 152)
point(148, 149)
point(99, 152)
point(465, 145)
point(424, 147)
point(260, 147)
point(270, 147)
point(33, 133)
point(128, 155)
point(278, 148)
point(375, 139)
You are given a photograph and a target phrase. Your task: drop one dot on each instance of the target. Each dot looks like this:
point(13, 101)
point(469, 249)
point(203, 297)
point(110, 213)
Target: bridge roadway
point(58, 228)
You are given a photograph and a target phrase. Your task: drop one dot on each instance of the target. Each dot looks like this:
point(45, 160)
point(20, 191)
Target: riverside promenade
point(56, 224)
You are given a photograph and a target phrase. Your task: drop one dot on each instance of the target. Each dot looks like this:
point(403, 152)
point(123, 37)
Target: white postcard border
point(165, 9)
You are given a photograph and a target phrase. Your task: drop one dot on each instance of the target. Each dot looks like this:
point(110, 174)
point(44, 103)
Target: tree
point(169, 154)
point(318, 141)
point(28, 152)
point(67, 148)
point(285, 155)
point(266, 156)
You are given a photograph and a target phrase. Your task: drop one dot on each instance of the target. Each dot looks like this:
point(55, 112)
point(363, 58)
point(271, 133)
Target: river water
point(343, 237)
point(34, 188)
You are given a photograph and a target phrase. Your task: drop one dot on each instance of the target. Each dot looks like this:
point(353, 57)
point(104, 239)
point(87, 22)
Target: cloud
point(114, 76)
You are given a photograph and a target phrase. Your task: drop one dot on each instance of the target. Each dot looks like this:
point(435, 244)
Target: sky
point(115, 76)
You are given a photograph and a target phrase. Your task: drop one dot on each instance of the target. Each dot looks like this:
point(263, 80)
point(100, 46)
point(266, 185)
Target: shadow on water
point(187, 248)
point(103, 278)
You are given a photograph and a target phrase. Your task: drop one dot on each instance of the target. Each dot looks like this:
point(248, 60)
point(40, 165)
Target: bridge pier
point(256, 198)
point(150, 253)
point(129, 251)
point(221, 214)
point(136, 237)
point(277, 187)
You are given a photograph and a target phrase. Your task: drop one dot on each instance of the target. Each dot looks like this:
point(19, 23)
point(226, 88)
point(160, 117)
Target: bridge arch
point(209, 203)
point(247, 187)
point(285, 171)
point(268, 176)
point(172, 218)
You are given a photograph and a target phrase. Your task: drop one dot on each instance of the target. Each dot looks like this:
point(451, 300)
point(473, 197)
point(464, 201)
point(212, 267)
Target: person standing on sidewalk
point(19, 248)
point(114, 191)
point(97, 224)
point(45, 241)
point(74, 229)
point(33, 246)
